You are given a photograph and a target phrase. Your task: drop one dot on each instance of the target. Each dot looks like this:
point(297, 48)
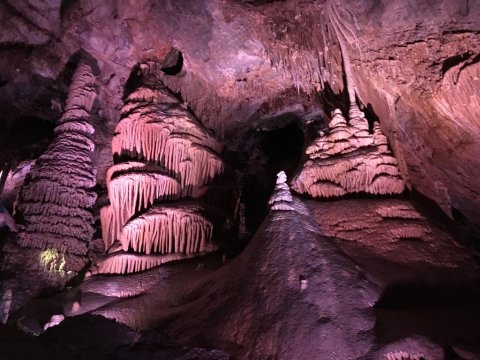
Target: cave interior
point(240, 179)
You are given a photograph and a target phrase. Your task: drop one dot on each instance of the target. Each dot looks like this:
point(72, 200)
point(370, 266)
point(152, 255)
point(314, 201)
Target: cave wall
point(250, 68)
point(421, 78)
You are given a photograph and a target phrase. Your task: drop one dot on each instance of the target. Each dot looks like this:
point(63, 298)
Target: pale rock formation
point(133, 186)
point(402, 355)
point(54, 321)
point(6, 219)
point(349, 160)
point(411, 348)
point(281, 198)
point(164, 132)
point(168, 229)
point(172, 156)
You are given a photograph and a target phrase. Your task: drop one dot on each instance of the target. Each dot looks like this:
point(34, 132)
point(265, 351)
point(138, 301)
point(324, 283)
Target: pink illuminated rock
point(349, 160)
point(172, 157)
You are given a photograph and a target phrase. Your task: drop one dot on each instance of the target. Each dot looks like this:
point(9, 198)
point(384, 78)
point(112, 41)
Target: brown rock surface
point(392, 229)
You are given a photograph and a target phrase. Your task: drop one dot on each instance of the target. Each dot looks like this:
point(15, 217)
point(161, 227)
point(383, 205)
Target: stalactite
point(81, 127)
point(5, 305)
point(344, 34)
point(171, 144)
point(172, 157)
point(399, 211)
point(57, 195)
point(402, 355)
point(168, 229)
point(81, 95)
point(409, 232)
point(133, 186)
point(349, 160)
point(125, 263)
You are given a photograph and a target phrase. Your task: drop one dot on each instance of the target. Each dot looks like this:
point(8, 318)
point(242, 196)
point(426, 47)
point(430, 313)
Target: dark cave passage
point(283, 148)
point(263, 154)
point(438, 312)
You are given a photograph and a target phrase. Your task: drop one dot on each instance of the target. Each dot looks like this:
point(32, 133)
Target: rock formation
point(349, 160)
point(142, 139)
point(55, 201)
point(281, 198)
point(171, 156)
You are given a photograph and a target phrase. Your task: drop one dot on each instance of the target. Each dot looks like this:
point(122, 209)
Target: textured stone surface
point(392, 229)
point(243, 67)
point(349, 159)
point(171, 156)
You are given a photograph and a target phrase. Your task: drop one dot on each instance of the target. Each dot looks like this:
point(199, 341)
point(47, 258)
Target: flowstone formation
point(54, 204)
point(349, 159)
point(157, 191)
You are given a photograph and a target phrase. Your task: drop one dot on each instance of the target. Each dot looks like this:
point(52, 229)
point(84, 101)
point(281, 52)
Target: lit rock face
point(349, 160)
point(425, 88)
point(171, 157)
point(392, 229)
point(55, 201)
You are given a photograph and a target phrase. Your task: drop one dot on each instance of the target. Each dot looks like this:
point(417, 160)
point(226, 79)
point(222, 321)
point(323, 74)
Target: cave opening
point(264, 153)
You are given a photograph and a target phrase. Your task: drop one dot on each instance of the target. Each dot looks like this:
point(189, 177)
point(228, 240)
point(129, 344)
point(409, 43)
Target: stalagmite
point(281, 198)
point(57, 196)
point(349, 160)
point(171, 157)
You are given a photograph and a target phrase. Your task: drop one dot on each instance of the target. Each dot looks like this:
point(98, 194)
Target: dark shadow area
point(454, 61)
point(173, 63)
point(283, 148)
point(447, 314)
point(459, 227)
point(65, 6)
point(330, 100)
point(260, 155)
point(370, 116)
point(24, 138)
point(133, 82)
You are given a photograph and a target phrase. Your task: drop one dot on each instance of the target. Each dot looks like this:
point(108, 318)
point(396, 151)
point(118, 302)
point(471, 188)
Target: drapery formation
point(55, 202)
point(167, 160)
point(349, 159)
